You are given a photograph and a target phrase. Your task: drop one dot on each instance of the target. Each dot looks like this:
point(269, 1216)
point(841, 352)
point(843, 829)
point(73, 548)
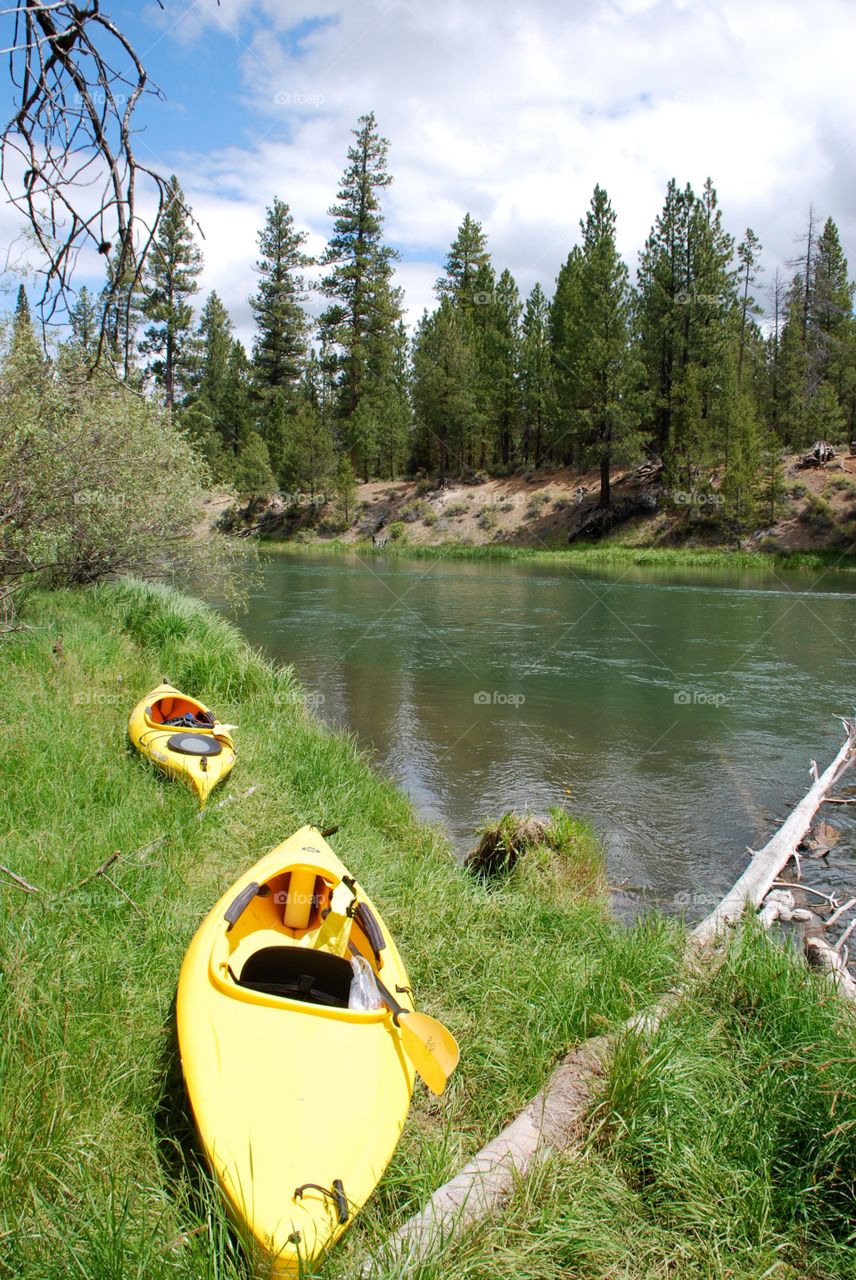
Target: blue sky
point(512, 111)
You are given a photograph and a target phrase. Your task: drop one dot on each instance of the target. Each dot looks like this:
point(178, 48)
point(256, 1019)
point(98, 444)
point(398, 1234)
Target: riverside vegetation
point(722, 1146)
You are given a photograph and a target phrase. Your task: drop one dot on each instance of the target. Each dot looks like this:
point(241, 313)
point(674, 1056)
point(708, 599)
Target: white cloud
point(514, 111)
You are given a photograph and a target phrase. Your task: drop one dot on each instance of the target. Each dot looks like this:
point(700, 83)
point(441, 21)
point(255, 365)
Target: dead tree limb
point(19, 880)
point(555, 1118)
point(768, 863)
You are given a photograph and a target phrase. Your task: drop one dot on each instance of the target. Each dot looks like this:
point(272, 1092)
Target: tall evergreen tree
point(444, 379)
point(603, 370)
point(85, 325)
point(170, 279)
point(832, 323)
point(279, 348)
point(467, 255)
point(359, 326)
point(748, 254)
point(536, 378)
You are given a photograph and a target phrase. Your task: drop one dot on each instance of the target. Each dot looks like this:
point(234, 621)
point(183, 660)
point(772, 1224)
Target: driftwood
point(555, 1118)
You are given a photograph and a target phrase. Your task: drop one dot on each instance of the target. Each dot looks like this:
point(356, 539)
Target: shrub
point(561, 502)
point(415, 510)
point(457, 509)
point(430, 518)
point(487, 518)
point(817, 514)
point(535, 505)
point(94, 481)
point(254, 476)
point(397, 532)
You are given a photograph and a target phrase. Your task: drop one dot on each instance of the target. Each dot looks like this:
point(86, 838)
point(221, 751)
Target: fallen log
point(555, 1117)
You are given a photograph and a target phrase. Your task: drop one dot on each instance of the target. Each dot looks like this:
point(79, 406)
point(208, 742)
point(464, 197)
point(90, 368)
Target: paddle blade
point(431, 1048)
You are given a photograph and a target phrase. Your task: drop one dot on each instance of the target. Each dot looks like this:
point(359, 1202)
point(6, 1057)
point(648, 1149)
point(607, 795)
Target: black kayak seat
point(299, 973)
point(194, 744)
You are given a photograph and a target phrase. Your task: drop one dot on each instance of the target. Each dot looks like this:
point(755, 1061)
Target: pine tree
point(253, 474)
point(567, 334)
point(748, 253)
point(345, 486)
point(831, 347)
point(169, 282)
point(85, 325)
point(444, 381)
point(688, 318)
point(467, 255)
point(215, 347)
point(536, 378)
point(121, 301)
point(607, 417)
point(793, 371)
point(311, 454)
point(279, 348)
point(358, 327)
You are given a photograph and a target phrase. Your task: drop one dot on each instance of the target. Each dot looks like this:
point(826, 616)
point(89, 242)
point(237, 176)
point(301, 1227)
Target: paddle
point(431, 1048)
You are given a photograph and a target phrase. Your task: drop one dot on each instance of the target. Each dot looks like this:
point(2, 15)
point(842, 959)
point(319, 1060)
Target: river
point(676, 710)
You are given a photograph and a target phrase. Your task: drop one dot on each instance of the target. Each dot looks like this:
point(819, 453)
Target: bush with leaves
point(94, 481)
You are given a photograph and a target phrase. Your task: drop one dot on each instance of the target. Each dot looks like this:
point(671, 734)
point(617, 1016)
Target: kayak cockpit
point(177, 710)
point(291, 938)
point(298, 973)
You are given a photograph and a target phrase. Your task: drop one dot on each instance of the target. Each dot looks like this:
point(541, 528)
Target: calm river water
point(678, 711)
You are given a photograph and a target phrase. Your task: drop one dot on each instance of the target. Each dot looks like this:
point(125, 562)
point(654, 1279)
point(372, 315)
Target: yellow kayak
point(184, 738)
point(299, 1099)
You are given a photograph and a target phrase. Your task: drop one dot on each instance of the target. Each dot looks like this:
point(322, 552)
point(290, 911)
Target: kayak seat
point(299, 973)
point(194, 744)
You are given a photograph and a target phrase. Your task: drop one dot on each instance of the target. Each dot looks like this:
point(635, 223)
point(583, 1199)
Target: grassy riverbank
point(723, 1148)
point(593, 555)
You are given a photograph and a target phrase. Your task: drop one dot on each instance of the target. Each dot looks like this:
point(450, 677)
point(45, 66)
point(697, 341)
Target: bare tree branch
point(67, 159)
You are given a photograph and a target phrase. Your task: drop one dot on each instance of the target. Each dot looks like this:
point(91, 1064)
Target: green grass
point(594, 555)
point(98, 1174)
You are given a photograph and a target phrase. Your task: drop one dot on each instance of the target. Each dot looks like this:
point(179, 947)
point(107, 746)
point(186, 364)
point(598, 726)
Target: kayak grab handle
point(337, 1195)
point(239, 904)
point(367, 920)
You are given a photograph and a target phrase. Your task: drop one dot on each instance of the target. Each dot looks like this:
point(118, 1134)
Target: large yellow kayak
point(182, 737)
point(299, 1099)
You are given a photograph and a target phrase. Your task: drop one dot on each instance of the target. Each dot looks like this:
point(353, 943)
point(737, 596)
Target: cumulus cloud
point(513, 112)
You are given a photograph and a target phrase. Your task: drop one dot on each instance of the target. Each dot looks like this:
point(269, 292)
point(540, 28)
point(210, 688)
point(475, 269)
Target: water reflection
point(677, 710)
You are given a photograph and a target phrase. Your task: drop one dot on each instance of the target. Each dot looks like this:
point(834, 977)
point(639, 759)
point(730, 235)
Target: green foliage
point(345, 487)
point(592, 322)
point(817, 514)
point(361, 329)
point(253, 474)
point(279, 348)
point(94, 480)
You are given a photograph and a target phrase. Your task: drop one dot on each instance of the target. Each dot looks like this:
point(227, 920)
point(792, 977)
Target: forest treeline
point(681, 364)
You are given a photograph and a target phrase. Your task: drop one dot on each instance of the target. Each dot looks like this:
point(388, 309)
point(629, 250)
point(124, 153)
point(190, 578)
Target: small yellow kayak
point(184, 738)
point(299, 1088)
